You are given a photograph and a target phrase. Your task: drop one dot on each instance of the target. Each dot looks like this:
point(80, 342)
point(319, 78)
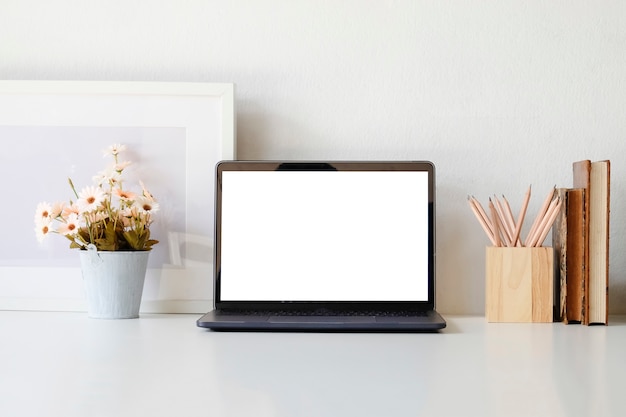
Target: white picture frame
point(190, 124)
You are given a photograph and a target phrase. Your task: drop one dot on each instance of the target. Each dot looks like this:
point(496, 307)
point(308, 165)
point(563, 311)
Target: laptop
point(324, 246)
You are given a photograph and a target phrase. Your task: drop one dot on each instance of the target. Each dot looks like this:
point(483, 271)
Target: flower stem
point(73, 188)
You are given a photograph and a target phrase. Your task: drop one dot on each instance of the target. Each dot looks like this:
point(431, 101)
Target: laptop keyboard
point(327, 313)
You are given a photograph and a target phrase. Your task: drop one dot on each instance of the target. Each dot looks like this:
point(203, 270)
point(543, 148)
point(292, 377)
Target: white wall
point(499, 94)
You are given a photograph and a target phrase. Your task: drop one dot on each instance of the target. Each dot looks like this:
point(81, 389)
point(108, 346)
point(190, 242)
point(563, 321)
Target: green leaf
point(150, 243)
point(109, 242)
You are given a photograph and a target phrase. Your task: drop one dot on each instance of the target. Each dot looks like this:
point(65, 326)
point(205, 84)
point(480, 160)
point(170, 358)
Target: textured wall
point(499, 94)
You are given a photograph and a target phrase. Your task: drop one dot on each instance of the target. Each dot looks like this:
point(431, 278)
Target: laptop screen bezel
point(421, 166)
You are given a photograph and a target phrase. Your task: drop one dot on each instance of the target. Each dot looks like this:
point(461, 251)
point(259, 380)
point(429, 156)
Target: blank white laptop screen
point(324, 236)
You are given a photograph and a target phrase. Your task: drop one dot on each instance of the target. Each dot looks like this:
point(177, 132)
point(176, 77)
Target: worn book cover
point(594, 177)
point(568, 240)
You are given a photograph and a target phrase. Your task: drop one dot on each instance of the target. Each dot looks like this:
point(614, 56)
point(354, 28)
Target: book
point(568, 241)
point(595, 178)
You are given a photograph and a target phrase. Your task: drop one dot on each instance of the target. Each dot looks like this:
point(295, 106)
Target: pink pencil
point(540, 216)
point(548, 221)
point(495, 222)
point(483, 221)
point(521, 216)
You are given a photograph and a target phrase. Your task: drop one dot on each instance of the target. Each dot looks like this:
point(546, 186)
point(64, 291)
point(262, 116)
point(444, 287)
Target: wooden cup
point(519, 284)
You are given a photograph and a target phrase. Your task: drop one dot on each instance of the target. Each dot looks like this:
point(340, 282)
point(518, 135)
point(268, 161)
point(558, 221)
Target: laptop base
point(430, 321)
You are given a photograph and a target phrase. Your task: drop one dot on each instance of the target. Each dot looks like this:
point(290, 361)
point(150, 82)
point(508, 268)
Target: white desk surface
point(65, 364)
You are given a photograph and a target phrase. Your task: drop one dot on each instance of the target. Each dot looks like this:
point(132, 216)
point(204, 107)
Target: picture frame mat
point(205, 112)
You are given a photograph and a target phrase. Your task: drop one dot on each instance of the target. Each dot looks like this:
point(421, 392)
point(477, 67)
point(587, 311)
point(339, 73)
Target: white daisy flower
point(71, 225)
point(121, 166)
point(57, 209)
point(125, 194)
point(109, 176)
point(43, 211)
point(114, 149)
point(69, 210)
point(90, 198)
point(42, 228)
point(145, 204)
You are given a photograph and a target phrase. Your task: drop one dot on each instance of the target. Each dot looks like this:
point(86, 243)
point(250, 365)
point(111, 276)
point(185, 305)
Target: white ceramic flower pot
point(113, 283)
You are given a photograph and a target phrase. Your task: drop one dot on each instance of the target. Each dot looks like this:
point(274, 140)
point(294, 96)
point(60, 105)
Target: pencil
point(496, 226)
point(504, 226)
point(521, 216)
point(508, 214)
point(540, 216)
point(481, 210)
point(544, 219)
point(547, 224)
point(481, 220)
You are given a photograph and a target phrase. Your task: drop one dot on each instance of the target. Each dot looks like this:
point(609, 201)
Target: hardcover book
point(568, 240)
point(594, 177)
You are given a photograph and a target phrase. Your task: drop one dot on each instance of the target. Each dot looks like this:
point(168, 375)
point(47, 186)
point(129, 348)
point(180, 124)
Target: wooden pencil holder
point(519, 284)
